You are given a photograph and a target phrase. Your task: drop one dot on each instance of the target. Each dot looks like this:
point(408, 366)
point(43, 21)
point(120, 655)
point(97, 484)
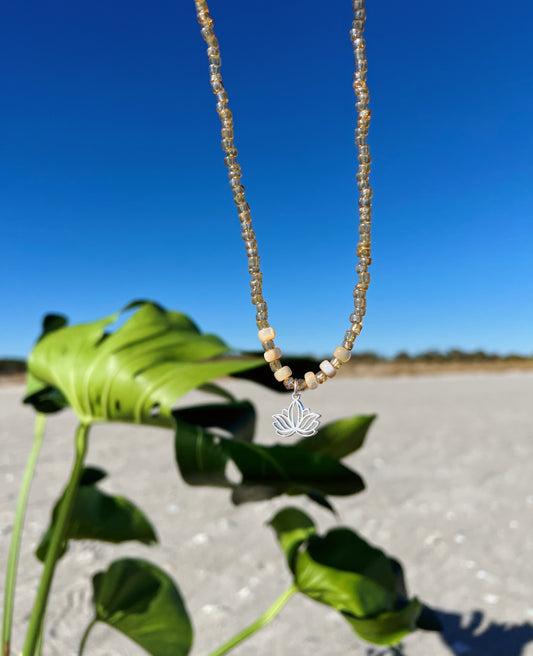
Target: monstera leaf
point(343, 571)
point(208, 438)
point(134, 374)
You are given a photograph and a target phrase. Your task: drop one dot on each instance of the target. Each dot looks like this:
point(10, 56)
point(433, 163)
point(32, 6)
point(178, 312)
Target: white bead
point(272, 354)
point(342, 354)
point(283, 373)
point(327, 368)
point(266, 334)
point(310, 380)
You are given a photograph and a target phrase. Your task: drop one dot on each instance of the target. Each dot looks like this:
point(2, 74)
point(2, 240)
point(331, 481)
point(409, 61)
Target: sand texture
point(448, 466)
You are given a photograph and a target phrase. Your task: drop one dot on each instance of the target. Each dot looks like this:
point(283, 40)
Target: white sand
point(448, 467)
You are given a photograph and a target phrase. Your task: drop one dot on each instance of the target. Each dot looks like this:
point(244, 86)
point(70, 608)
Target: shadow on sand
point(471, 638)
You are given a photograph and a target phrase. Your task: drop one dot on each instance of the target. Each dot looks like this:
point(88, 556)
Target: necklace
point(296, 419)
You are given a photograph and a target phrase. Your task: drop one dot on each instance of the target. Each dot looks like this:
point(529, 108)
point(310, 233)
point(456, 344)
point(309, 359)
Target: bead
point(310, 380)
point(336, 363)
point(267, 346)
point(321, 377)
point(283, 373)
point(294, 384)
point(266, 334)
point(356, 328)
point(273, 354)
point(355, 317)
point(275, 366)
point(347, 345)
point(261, 316)
point(261, 324)
point(327, 368)
point(349, 337)
point(342, 354)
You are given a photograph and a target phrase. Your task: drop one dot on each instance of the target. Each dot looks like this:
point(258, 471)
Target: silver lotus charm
point(296, 420)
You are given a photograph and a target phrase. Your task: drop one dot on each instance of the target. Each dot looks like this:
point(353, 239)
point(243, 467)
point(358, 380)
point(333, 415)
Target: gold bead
point(266, 334)
point(342, 354)
point(283, 373)
point(310, 380)
point(327, 368)
point(273, 354)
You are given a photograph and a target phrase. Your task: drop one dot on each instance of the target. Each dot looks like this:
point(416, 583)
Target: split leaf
point(203, 454)
point(134, 374)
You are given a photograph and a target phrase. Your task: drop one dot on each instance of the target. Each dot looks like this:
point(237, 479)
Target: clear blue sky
point(112, 184)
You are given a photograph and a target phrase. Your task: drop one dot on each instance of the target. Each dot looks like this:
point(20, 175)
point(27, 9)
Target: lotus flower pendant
point(296, 420)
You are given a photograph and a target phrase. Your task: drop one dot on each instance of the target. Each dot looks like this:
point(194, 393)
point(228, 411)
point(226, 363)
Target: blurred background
point(113, 185)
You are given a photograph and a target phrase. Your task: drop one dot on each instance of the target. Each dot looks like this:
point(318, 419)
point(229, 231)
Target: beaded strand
point(328, 368)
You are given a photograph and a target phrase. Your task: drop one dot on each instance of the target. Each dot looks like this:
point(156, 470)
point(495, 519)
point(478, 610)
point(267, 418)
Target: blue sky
point(112, 183)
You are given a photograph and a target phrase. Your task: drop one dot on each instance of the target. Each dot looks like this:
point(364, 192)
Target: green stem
point(56, 543)
point(268, 616)
point(86, 635)
point(16, 535)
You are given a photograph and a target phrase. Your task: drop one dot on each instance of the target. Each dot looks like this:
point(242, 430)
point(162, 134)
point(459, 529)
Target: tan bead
point(342, 354)
point(310, 380)
point(266, 334)
point(327, 368)
point(336, 363)
point(283, 373)
point(273, 354)
point(321, 377)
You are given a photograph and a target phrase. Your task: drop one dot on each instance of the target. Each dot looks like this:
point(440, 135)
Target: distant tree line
point(434, 355)
point(10, 366)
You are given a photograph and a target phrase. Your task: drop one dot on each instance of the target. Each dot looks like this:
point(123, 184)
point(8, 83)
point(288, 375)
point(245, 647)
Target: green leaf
point(134, 374)
point(237, 418)
point(339, 438)
point(292, 527)
point(213, 388)
point(346, 573)
point(99, 516)
point(387, 628)
point(267, 471)
point(44, 398)
point(142, 602)
point(200, 457)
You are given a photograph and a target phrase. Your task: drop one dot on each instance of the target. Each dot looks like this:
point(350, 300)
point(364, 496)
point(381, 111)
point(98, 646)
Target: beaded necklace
point(297, 419)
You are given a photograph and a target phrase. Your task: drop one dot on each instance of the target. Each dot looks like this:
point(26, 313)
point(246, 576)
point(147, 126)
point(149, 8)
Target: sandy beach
point(448, 467)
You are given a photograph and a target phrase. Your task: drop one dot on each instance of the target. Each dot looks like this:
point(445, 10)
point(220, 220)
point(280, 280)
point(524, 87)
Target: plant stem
point(58, 538)
point(86, 635)
point(16, 535)
point(269, 615)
